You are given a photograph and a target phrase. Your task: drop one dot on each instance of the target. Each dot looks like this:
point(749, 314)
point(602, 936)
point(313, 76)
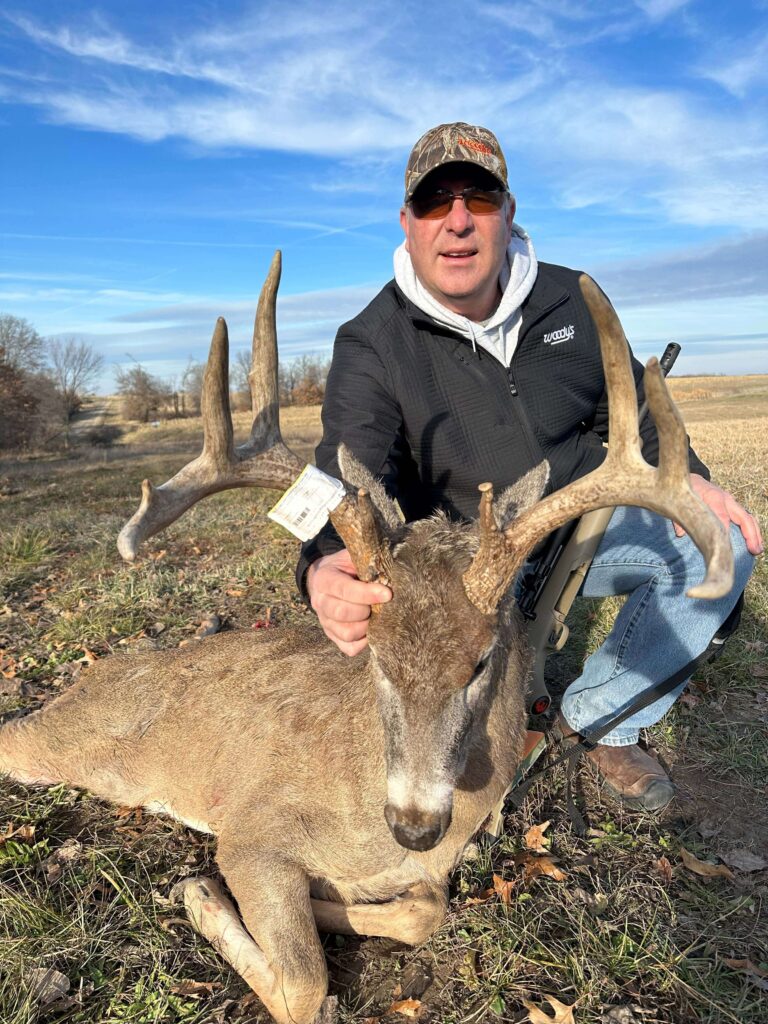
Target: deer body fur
point(275, 742)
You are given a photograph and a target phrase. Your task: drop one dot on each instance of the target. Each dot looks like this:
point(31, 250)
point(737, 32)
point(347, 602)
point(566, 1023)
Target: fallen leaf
point(503, 888)
point(235, 592)
point(534, 866)
point(22, 833)
point(701, 867)
point(534, 838)
point(563, 1013)
point(195, 988)
point(595, 902)
point(67, 854)
point(746, 965)
point(46, 985)
point(690, 700)
point(482, 896)
point(497, 1005)
point(408, 1007)
point(664, 868)
point(744, 860)
point(88, 656)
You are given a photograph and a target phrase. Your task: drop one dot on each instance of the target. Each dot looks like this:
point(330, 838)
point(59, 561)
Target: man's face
point(458, 258)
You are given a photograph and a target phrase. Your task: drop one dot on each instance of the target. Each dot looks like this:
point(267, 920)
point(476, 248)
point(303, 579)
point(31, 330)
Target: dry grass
point(620, 931)
point(707, 399)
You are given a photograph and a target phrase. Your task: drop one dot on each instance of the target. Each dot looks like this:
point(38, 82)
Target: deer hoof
point(198, 885)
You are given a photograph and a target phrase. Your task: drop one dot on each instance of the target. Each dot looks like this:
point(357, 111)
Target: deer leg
point(410, 918)
point(276, 948)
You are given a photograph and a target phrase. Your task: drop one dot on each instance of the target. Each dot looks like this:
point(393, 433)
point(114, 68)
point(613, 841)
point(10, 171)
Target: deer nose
point(415, 829)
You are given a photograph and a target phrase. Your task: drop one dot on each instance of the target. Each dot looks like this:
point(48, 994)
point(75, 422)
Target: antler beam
point(624, 478)
point(263, 461)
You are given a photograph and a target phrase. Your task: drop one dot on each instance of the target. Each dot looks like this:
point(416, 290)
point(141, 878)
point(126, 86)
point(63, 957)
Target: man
point(474, 364)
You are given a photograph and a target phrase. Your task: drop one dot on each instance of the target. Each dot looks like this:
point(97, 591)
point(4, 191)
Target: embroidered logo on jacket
point(557, 337)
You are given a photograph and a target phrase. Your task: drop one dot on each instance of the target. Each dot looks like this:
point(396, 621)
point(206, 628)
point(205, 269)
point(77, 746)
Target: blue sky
point(154, 156)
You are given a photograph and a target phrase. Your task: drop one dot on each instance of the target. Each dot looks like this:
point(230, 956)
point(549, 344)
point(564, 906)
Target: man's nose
point(458, 218)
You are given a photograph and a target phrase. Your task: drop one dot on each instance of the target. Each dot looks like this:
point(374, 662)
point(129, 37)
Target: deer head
point(439, 649)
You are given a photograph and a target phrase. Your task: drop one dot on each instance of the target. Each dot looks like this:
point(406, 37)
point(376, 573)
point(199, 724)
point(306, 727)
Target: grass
point(620, 931)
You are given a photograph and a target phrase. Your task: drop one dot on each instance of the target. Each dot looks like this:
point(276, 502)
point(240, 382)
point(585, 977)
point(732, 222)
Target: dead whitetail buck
point(343, 791)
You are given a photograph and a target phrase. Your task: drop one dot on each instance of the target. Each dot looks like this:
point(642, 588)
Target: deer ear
point(521, 495)
point(356, 475)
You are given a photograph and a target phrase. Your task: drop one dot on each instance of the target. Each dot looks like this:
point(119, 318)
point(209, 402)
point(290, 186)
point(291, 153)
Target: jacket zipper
point(534, 448)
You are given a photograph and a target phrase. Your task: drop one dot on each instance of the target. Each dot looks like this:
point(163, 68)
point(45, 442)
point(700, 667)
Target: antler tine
point(488, 564)
point(624, 478)
point(218, 434)
point(263, 461)
point(358, 526)
point(262, 378)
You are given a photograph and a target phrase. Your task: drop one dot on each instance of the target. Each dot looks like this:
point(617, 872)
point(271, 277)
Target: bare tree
point(21, 347)
point(30, 409)
point(143, 396)
point(192, 386)
point(74, 366)
point(240, 370)
point(18, 407)
point(301, 381)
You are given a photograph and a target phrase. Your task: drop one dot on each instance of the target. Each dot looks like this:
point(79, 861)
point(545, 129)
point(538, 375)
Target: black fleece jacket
point(434, 419)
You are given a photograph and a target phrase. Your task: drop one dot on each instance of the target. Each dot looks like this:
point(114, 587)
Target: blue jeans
point(657, 631)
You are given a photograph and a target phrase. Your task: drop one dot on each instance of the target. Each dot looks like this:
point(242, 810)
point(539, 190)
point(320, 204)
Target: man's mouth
point(458, 254)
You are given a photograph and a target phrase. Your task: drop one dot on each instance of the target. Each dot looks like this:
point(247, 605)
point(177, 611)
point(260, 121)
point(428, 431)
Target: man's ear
point(404, 225)
point(512, 208)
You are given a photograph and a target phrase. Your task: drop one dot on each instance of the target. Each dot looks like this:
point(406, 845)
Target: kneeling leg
point(280, 956)
point(410, 918)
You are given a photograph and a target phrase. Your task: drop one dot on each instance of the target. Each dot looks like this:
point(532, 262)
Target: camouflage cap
point(448, 143)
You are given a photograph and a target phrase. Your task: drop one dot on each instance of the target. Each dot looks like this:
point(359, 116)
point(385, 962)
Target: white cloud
point(633, 146)
point(657, 10)
point(731, 268)
point(318, 84)
point(741, 70)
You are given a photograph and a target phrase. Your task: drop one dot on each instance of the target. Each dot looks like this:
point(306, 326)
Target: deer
point(343, 792)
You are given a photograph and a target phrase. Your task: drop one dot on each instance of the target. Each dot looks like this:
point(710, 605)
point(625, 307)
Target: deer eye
point(481, 666)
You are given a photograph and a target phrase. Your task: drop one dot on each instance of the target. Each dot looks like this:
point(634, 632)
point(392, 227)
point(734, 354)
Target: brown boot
point(630, 773)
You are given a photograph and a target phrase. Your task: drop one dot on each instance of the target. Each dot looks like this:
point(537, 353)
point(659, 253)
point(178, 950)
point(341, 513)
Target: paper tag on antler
point(305, 506)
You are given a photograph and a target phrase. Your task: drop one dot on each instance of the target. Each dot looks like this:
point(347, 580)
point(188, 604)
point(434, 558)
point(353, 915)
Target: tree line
point(44, 383)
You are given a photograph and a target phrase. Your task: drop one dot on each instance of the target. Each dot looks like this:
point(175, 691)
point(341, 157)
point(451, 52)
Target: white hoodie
point(498, 334)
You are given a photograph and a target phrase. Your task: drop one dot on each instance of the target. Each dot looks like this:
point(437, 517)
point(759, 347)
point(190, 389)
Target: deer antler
point(624, 478)
point(263, 461)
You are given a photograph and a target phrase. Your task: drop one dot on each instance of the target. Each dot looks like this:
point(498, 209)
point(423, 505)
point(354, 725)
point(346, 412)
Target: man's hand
point(728, 511)
point(342, 601)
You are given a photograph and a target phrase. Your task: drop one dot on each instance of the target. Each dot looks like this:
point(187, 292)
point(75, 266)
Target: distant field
point(629, 936)
point(706, 398)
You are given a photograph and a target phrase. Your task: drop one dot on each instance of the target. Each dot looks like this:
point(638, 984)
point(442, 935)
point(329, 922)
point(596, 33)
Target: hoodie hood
point(498, 334)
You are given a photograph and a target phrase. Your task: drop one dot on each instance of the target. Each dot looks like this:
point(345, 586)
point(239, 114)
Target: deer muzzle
point(416, 829)
point(418, 811)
